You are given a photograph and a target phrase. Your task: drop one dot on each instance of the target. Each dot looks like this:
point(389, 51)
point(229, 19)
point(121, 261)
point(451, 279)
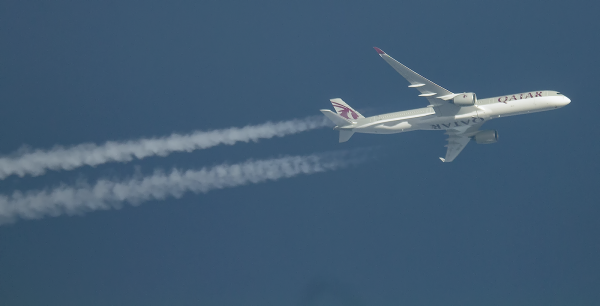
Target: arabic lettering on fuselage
point(457, 123)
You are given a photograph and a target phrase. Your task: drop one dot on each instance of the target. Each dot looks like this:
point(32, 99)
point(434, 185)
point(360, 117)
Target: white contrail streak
point(107, 194)
point(60, 158)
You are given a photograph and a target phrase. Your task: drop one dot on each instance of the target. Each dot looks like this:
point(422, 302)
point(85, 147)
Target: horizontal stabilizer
point(345, 135)
point(337, 119)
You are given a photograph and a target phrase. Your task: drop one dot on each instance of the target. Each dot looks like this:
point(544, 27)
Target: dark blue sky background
point(514, 223)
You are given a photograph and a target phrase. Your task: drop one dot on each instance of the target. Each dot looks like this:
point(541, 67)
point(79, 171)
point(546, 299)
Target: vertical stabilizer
point(345, 110)
point(345, 135)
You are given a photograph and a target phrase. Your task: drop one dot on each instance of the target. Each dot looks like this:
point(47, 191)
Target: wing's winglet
point(378, 50)
point(443, 159)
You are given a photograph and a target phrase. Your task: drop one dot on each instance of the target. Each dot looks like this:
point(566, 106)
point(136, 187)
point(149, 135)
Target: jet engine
point(465, 99)
point(485, 137)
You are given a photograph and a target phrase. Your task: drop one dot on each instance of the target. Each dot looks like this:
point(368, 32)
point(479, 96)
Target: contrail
point(106, 194)
point(60, 158)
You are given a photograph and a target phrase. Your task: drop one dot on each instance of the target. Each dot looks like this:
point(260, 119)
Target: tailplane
point(340, 122)
point(335, 118)
point(345, 135)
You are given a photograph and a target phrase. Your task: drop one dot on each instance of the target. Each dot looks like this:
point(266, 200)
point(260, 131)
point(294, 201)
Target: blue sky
point(515, 222)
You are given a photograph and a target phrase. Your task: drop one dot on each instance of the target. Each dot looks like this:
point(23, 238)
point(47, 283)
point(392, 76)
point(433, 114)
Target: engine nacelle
point(487, 136)
point(465, 99)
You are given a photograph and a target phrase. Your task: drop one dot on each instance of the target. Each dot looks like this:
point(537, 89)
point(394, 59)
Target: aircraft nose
point(565, 101)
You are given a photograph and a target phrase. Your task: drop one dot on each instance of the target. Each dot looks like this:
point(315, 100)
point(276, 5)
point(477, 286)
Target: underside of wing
point(455, 145)
point(458, 140)
point(436, 94)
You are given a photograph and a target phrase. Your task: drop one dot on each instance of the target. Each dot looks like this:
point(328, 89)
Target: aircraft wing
point(458, 140)
point(436, 94)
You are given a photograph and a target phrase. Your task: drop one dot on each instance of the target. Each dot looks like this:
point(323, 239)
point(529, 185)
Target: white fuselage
point(484, 110)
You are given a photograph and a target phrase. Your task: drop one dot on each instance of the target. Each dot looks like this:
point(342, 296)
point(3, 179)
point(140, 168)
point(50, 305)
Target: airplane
point(459, 114)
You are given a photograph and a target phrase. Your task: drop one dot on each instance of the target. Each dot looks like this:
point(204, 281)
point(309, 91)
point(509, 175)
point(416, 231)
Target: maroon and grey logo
point(344, 110)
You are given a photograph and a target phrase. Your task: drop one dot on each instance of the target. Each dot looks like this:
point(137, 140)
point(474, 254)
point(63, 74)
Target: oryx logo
point(344, 110)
